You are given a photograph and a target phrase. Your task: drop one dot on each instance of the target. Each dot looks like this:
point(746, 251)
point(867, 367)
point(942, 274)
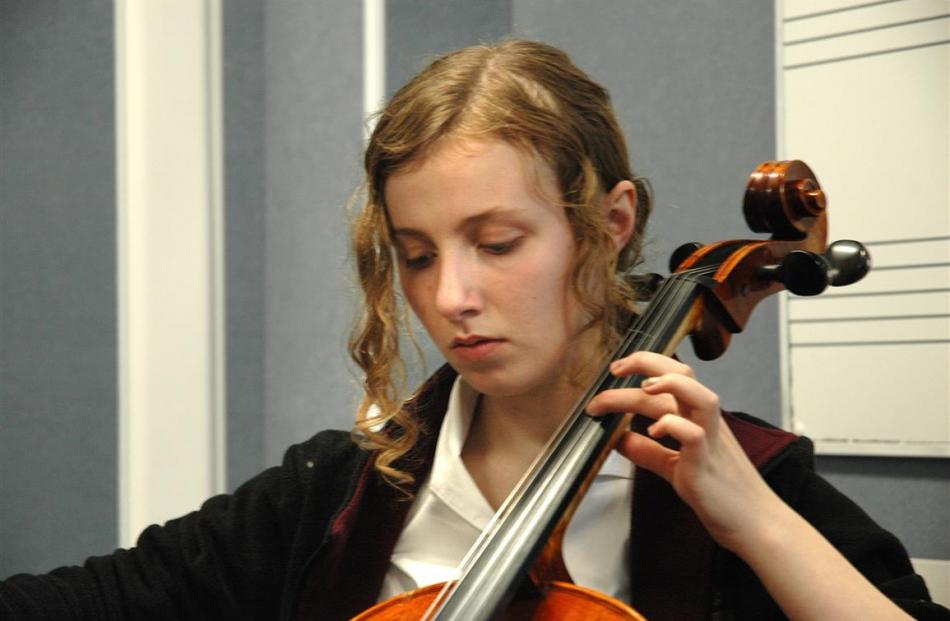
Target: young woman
point(502, 209)
point(500, 177)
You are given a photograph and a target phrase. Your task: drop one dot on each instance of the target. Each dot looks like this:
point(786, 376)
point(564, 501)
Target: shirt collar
point(450, 480)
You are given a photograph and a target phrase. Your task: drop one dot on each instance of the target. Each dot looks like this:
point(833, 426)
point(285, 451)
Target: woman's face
point(485, 263)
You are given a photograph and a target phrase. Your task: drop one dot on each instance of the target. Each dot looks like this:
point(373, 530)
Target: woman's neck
point(507, 433)
point(526, 421)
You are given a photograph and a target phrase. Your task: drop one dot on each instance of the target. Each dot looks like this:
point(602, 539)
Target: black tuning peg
point(850, 262)
point(808, 273)
point(682, 253)
point(802, 272)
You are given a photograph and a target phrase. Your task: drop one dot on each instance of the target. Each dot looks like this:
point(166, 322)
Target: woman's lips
point(476, 349)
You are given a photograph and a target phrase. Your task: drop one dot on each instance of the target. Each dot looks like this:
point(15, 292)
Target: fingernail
point(651, 429)
point(650, 381)
point(615, 366)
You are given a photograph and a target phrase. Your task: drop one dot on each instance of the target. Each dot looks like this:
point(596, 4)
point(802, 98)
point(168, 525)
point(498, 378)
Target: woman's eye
point(501, 247)
point(419, 262)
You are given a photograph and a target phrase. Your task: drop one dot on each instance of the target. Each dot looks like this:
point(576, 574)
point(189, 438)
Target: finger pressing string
point(632, 400)
point(649, 363)
point(687, 391)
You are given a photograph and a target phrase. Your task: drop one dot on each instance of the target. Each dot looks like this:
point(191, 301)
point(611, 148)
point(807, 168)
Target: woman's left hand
point(710, 471)
point(802, 571)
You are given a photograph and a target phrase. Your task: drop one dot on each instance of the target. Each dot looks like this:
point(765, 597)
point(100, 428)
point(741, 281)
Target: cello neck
point(499, 561)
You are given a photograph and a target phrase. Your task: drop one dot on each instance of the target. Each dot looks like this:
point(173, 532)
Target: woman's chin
point(500, 382)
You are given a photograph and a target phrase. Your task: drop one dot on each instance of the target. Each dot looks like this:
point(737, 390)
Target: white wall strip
point(374, 62)
point(216, 253)
point(168, 102)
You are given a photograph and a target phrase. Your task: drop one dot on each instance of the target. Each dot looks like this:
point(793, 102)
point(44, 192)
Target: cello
point(709, 296)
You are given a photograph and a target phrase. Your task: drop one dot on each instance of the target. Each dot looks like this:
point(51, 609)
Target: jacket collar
point(350, 566)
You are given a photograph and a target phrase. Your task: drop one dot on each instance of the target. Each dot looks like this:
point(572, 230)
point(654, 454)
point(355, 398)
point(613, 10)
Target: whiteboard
point(864, 100)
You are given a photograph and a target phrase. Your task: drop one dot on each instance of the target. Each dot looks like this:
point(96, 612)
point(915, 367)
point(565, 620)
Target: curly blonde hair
point(532, 96)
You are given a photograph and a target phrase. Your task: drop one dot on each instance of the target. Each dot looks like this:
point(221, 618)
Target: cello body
point(559, 600)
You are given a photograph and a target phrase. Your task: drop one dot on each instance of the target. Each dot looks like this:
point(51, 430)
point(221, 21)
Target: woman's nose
point(457, 295)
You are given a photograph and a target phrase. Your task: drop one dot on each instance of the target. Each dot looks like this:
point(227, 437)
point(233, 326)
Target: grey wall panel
point(419, 30)
point(313, 137)
point(245, 234)
point(58, 404)
point(909, 497)
point(693, 85)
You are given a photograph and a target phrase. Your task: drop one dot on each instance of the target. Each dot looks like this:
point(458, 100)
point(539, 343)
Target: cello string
point(674, 297)
point(516, 498)
point(672, 290)
point(676, 287)
point(680, 292)
point(657, 323)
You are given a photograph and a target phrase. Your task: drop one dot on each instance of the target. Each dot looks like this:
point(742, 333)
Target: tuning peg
point(849, 261)
point(802, 272)
point(682, 253)
point(807, 273)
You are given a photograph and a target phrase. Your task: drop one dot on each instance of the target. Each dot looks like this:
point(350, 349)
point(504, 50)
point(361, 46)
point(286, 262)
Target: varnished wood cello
point(709, 296)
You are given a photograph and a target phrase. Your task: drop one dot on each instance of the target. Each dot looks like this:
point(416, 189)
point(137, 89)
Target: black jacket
point(311, 540)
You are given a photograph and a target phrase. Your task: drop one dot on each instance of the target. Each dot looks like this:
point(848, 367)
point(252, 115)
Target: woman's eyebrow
point(493, 213)
point(467, 225)
point(409, 232)
point(471, 222)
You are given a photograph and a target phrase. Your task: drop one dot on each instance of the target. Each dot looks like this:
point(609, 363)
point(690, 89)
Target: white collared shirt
point(450, 512)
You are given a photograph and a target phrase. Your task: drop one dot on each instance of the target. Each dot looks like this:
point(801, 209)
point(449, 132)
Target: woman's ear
point(620, 205)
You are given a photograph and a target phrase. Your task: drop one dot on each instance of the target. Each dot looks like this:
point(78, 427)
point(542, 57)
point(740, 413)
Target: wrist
point(766, 531)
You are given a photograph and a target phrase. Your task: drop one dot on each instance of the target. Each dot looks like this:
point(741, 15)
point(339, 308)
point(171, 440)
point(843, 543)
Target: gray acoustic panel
point(245, 234)
point(908, 496)
point(58, 360)
point(313, 142)
point(419, 30)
